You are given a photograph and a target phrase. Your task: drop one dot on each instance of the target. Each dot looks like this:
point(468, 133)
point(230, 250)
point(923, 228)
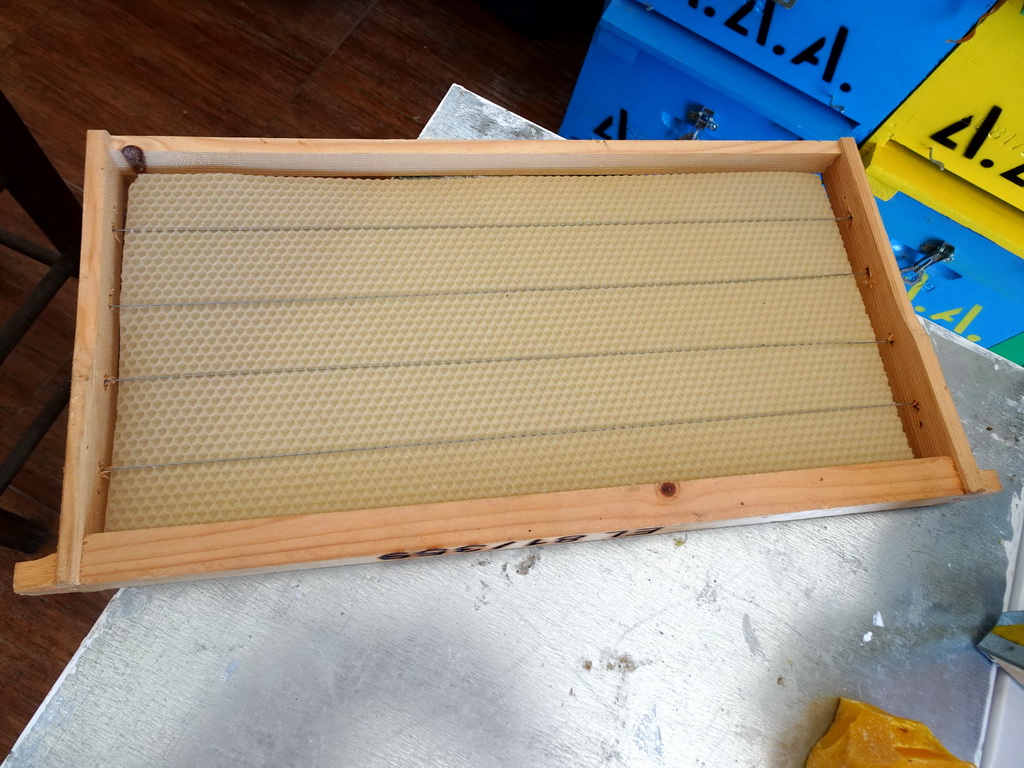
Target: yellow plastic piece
point(863, 736)
point(903, 155)
point(1012, 632)
point(428, 299)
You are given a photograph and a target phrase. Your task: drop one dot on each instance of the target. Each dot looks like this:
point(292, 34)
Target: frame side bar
point(355, 157)
point(285, 543)
point(932, 425)
point(92, 404)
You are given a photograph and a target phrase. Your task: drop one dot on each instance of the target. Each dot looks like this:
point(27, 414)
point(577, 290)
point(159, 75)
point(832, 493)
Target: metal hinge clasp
point(935, 252)
point(702, 118)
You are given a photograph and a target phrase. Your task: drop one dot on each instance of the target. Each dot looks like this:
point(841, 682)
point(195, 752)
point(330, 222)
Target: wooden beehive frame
point(88, 557)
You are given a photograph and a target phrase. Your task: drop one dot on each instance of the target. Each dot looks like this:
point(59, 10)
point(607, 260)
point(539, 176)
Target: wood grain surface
point(932, 424)
point(320, 157)
point(426, 530)
point(309, 68)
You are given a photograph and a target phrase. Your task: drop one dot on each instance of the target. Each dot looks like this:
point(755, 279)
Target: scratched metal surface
point(463, 114)
point(725, 647)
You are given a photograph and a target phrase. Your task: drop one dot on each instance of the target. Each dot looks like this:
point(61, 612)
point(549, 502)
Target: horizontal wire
point(483, 360)
point(486, 292)
point(528, 225)
point(495, 438)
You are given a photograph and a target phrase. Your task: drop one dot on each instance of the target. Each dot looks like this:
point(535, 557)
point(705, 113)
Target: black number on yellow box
point(1014, 175)
point(986, 129)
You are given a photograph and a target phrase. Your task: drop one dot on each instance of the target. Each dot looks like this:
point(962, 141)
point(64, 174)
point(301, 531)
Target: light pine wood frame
point(89, 558)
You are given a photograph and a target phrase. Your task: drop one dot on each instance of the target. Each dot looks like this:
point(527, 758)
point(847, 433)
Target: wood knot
point(136, 157)
point(668, 490)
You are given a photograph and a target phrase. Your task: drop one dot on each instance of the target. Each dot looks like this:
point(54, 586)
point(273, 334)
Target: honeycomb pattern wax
point(303, 345)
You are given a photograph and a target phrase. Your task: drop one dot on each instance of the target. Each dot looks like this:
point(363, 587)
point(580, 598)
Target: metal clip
point(936, 252)
point(1003, 644)
point(702, 118)
point(931, 159)
point(837, 107)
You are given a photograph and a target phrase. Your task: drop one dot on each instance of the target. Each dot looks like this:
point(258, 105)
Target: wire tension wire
point(481, 360)
point(487, 292)
point(528, 225)
point(495, 438)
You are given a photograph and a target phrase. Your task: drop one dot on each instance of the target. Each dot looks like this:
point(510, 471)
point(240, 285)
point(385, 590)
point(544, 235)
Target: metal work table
point(715, 648)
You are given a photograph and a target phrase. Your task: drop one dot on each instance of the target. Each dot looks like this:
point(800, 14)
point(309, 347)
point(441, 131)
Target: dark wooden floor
point(310, 68)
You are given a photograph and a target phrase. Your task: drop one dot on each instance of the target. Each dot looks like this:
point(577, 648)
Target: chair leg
point(15, 531)
point(32, 436)
point(26, 314)
point(27, 173)
point(20, 534)
point(37, 186)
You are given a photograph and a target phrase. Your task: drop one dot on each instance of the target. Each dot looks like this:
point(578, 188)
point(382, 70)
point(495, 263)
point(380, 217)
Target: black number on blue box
point(601, 130)
point(808, 55)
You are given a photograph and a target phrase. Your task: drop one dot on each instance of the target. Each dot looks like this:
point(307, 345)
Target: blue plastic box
point(979, 295)
point(643, 75)
point(864, 56)
point(820, 70)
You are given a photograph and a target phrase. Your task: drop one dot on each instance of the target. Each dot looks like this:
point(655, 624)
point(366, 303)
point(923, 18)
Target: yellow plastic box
point(957, 143)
